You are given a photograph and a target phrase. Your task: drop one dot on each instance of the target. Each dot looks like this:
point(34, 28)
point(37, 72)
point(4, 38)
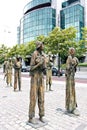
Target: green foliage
point(40, 38)
point(63, 66)
point(83, 64)
point(3, 53)
point(83, 41)
point(58, 42)
point(29, 48)
point(22, 50)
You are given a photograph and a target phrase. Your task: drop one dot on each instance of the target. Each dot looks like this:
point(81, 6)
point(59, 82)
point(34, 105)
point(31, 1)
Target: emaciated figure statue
point(37, 83)
point(17, 73)
point(49, 64)
point(71, 66)
point(8, 73)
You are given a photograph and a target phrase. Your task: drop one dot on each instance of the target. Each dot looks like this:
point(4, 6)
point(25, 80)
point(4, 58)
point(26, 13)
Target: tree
point(82, 45)
point(59, 40)
point(3, 53)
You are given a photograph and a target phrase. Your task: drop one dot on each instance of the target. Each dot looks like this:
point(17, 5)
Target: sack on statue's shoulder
point(17, 65)
point(38, 59)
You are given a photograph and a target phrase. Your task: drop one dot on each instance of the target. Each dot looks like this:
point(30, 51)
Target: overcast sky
point(10, 13)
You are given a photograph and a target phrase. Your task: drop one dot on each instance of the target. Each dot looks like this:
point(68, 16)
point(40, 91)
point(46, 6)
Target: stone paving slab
point(14, 107)
point(81, 127)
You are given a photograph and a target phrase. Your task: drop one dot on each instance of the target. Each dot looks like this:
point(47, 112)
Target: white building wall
point(57, 5)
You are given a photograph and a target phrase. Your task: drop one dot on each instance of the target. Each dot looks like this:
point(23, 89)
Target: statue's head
point(38, 44)
point(71, 50)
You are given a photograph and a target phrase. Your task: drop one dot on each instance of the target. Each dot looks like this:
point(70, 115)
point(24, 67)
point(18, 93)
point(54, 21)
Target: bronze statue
point(37, 67)
point(49, 64)
point(8, 74)
point(17, 73)
point(71, 66)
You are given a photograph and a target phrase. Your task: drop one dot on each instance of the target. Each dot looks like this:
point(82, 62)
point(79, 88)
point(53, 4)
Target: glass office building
point(72, 14)
point(18, 35)
point(39, 18)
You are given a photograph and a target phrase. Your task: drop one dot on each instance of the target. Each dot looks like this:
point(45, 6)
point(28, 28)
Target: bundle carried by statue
point(17, 65)
point(39, 64)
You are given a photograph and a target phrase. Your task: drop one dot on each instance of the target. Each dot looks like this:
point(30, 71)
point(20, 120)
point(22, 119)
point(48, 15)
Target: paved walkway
point(14, 107)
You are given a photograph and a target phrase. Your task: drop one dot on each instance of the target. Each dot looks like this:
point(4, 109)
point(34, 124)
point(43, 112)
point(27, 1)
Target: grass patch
point(63, 66)
point(83, 64)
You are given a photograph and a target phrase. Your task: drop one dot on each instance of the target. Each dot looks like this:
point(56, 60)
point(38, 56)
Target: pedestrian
point(71, 66)
point(8, 74)
point(17, 73)
point(49, 64)
point(37, 67)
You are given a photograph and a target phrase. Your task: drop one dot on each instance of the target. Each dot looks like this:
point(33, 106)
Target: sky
point(11, 11)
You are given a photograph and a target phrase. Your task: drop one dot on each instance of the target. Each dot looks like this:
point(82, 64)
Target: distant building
point(39, 18)
point(18, 35)
point(72, 14)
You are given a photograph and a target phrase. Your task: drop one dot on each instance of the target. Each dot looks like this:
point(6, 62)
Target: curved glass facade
point(40, 18)
point(35, 3)
point(38, 21)
point(73, 16)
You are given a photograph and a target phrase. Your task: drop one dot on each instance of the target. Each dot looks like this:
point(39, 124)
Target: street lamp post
point(58, 64)
point(58, 61)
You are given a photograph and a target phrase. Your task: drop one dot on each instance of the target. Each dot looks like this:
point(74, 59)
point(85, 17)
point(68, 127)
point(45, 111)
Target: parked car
point(28, 68)
point(55, 72)
point(25, 69)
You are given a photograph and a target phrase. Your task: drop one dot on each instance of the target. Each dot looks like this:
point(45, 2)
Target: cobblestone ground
point(14, 107)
